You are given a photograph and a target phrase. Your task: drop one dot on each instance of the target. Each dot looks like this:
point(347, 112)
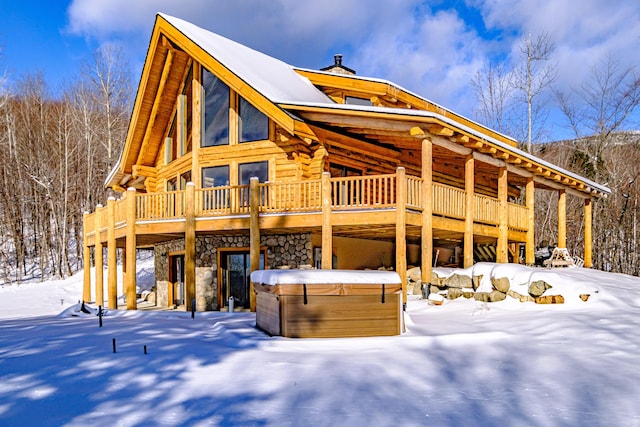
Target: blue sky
point(433, 48)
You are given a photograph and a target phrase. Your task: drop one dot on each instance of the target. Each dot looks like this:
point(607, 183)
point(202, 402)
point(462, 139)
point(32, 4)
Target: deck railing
point(448, 201)
point(152, 206)
point(225, 200)
point(356, 192)
point(487, 209)
point(302, 196)
point(518, 216)
point(414, 194)
point(362, 192)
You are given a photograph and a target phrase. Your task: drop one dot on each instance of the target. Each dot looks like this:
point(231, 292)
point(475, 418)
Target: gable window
point(216, 111)
point(257, 169)
point(357, 101)
point(252, 124)
point(215, 176)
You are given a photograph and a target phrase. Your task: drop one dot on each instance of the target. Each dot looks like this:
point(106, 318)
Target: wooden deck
point(364, 206)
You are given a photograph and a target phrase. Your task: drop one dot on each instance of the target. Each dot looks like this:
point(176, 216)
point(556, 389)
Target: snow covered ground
point(463, 363)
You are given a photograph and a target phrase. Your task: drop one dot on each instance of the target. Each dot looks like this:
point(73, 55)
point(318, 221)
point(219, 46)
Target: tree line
point(57, 152)
point(516, 100)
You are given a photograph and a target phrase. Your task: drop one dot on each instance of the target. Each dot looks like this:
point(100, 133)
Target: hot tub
point(328, 303)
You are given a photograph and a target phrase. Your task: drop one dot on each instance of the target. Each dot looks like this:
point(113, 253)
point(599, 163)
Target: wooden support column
point(588, 237)
point(99, 261)
point(469, 211)
point(190, 246)
point(112, 259)
point(426, 233)
point(197, 113)
point(130, 275)
point(530, 245)
point(502, 252)
point(401, 230)
point(562, 219)
point(254, 235)
point(86, 261)
point(327, 229)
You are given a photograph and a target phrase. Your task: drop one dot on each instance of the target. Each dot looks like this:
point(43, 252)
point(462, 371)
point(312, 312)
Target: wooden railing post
point(190, 246)
point(530, 245)
point(86, 260)
point(401, 230)
point(327, 231)
point(469, 188)
point(502, 252)
point(130, 274)
point(112, 261)
point(588, 237)
point(562, 219)
point(99, 259)
point(254, 235)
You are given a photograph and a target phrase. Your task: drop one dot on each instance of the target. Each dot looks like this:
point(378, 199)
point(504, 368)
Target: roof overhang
point(394, 126)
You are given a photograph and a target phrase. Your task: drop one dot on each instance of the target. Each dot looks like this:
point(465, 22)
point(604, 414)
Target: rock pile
point(466, 284)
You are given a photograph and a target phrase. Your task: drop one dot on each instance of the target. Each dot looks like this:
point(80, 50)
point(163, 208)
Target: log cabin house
point(236, 161)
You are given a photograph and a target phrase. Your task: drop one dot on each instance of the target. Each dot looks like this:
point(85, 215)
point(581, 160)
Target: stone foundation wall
point(290, 251)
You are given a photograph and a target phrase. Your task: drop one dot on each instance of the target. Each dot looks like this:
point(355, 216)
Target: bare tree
point(108, 78)
point(534, 76)
point(493, 88)
point(598, 112)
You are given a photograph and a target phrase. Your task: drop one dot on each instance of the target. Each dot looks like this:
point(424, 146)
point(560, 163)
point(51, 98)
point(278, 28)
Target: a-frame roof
point(292, 98)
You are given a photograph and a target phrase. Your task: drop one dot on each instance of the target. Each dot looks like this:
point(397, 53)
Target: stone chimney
point(337, 66)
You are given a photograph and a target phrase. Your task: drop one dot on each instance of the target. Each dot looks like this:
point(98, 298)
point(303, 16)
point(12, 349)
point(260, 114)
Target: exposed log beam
point(488, 159)
point(156, 104)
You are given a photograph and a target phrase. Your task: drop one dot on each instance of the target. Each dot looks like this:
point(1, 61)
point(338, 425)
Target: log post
point(530, 245)
point(197, 114)
point(327, 231)
point(401, 230)
point(562, 219)
point(588, 237)
point(469, 212)
point(190, 245)
point(130, 275)
point(112, 260)
point(99, 261)
point(502, 253)
point(86, 261)
point(426, 234)
point(254, 235)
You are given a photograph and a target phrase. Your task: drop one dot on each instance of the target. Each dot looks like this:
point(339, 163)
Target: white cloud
point(434, 51)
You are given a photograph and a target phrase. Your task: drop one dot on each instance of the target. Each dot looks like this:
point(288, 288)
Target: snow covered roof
point(292, 277)
point(276, 80)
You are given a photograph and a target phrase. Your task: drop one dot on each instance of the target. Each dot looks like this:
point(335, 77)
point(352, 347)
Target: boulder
point(414, 274)
point(468, 293)
point(454, 293)
point(417, 287)
point(458, 281)
point(538, 287)
point(492, 296)
point(520, 297)
point(550, 299)
point(475, 281)
point(501, 284)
